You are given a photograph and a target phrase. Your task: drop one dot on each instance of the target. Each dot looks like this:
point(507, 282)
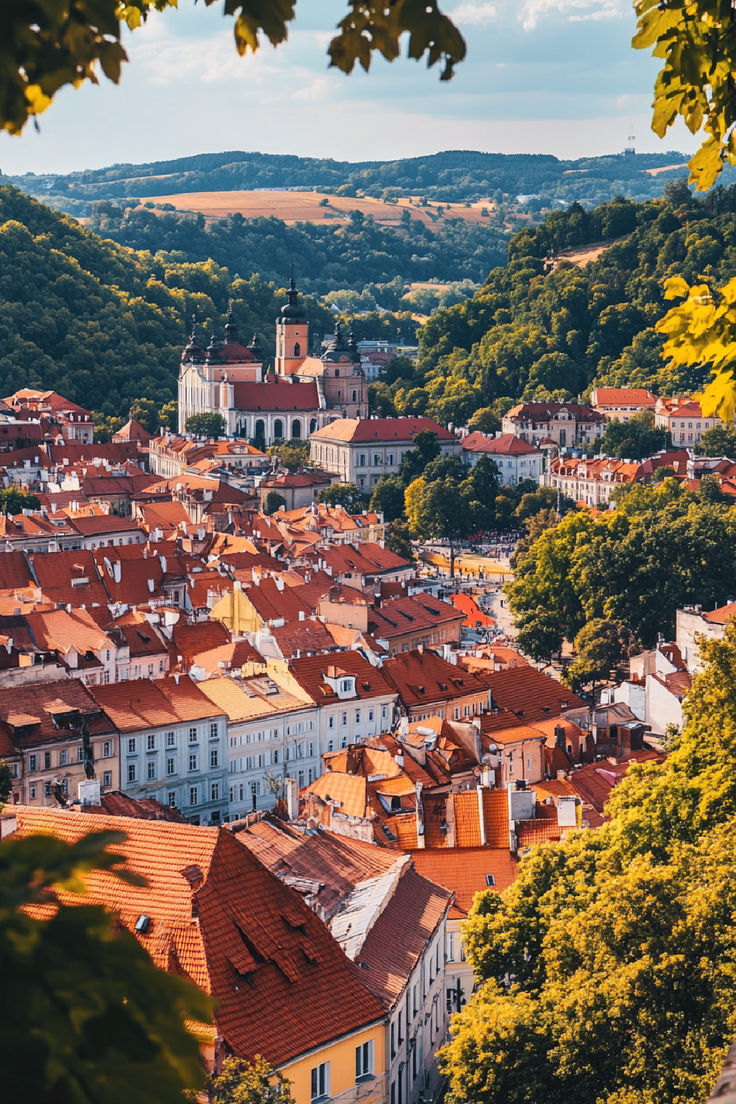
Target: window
point(106, 749)
point(344, 719)
point(107, 780)
point(193, 795)
point(192, 762)
point(63, 757)
point(47, 760)
point(331, 722)
point(213, 731)
point(192, 735)
point(320, 1081)
point(131, 745)
point(170, 739)
point(151, 769)
point(364, 1060)
point(401, 1030)
point(215, 791)
point(150, 742)
point(393, 1040)
point(80, 754)
point(213, 757)
point(32, 791)
point(450, 946)
point(490, 880)
point(370, 714)
point(357, 716)
point(32, 763)
point(171, 765)
point(172, 798)
point(132, 772)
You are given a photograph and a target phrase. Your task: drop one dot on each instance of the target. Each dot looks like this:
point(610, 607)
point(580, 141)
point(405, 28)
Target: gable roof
point(504, 445)
point(219, 917)
point(364, 430)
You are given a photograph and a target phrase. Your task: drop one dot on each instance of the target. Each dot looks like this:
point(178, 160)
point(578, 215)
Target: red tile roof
point(465, 871)
point(530, 695)
point(27, 712)
point(504, 445)
point(219, 917)
point(360, 430)
point(141, 703)
point(309, 671)
point(422, 678)
point(276, 396)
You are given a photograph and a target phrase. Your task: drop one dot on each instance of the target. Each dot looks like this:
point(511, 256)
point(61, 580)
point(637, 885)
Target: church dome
point(292, 310)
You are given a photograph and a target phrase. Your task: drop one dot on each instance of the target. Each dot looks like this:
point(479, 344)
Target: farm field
point(293, 207)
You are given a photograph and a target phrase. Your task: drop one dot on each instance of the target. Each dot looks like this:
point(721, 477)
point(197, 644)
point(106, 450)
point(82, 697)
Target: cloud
point(475, 13)
point(572, 11)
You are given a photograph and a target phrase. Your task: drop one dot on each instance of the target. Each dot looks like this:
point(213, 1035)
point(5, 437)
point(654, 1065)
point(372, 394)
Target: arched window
point(278, 429)
point(337, 371)
point(313, 425)
point(296, 429)
point(260, 433)
point(297, 349)
point(355, 396)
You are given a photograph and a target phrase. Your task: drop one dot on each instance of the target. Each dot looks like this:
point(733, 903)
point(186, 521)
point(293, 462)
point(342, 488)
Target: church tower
point(292, 333)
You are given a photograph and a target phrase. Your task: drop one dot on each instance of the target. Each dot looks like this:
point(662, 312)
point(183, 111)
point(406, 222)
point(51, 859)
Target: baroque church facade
point(302, 394)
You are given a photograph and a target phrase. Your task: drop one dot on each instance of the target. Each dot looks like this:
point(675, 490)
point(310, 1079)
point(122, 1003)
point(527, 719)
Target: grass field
point(310, 207)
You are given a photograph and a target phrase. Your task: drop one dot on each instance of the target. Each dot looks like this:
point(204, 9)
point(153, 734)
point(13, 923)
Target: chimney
point(481, 816)
point(419, 814)
point(89, 792)
point(291, 794)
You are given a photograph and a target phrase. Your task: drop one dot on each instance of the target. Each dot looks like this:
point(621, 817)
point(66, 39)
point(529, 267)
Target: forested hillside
point(359, 255)
point(529, 331)
point(453, 175)
point(105, 325)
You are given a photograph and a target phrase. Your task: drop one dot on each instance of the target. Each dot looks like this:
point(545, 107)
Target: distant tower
point(292, 333)
point(629, 149)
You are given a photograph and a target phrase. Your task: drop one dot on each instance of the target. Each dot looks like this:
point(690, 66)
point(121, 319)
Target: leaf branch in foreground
point(46, 45)
point(696, 40)
point(701, 331)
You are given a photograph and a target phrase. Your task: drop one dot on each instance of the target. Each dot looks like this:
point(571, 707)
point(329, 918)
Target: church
point(302, 394)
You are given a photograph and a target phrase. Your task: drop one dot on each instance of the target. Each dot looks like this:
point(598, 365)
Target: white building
point(693, 623)
point(515, 458)
point(272, 734)
point(172, 744)
point(362, 450)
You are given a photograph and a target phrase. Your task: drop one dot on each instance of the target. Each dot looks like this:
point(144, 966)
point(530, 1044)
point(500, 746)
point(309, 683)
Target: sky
point(541, 76)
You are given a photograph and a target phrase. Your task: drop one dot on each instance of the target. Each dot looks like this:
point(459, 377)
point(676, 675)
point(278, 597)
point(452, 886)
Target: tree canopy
point(93, 1018)
point(661, 548)
point(604, 973)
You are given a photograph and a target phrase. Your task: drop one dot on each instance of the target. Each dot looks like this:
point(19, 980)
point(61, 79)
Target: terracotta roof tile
point(465, 870)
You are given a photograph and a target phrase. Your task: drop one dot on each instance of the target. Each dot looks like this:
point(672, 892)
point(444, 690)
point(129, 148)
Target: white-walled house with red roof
point(362, 450)
point(515, 458)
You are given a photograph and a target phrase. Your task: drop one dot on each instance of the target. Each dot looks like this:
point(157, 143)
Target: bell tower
point(292, 333)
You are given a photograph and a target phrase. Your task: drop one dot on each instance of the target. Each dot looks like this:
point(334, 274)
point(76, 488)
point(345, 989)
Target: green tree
point(718, 441)
point(292, 455)
point(6, 781)
point(398, 539)
point(437, 510)
point(599, 648)
point(346, 495)
point(242, 1082)
point(14, 501)
point(169, 415)
point(485, 420)
point(206, 425)
point(635, 439)
point(413, 463)
point(388, 497)
point(273, 502)
point(119, 1036)
point(145, 411)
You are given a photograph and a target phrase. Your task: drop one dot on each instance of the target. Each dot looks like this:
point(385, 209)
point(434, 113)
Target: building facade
point(362, 450)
